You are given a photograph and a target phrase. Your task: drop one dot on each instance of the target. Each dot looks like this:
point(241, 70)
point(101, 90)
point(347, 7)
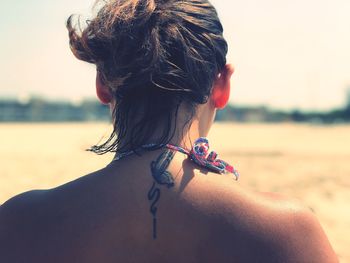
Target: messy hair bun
point(153, 55)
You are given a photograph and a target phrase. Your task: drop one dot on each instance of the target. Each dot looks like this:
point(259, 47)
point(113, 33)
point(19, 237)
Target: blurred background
point(286, 128)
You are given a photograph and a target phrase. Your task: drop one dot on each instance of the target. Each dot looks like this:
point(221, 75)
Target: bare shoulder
point(14, 215)
point(299, 233)
point(22, 207)
point(27, 203)
point(28, 219)
point(35, 202)
point(19, 205)
point(277, 228)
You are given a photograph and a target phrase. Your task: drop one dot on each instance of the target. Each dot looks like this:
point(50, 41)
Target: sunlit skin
point(205, 217)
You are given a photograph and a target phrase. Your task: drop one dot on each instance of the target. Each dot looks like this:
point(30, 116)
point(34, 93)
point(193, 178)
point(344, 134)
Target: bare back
point(106, 217)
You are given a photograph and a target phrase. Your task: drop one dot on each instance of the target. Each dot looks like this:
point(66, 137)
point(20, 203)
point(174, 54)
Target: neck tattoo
point(160, 177)
point(199, 154)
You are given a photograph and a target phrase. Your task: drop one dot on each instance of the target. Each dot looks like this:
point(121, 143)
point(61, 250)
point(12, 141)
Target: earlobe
point(220, 104)
point(220, 98)
point(102, 91)
point(221, 88)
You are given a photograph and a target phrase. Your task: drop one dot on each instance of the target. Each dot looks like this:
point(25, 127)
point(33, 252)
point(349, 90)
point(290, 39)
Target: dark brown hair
point(153, 55)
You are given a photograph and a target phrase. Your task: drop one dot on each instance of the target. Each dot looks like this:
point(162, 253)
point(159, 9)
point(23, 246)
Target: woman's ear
point(103, 93)
point(221, 88)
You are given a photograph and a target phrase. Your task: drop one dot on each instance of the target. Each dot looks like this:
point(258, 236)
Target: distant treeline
point(264, 114)
point(40, 110)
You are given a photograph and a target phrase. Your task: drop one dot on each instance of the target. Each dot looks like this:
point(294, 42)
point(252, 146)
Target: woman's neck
point(183, 133)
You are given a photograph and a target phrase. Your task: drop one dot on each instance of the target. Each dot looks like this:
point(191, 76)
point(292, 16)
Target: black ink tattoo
point(159, 169)
point(154, 195)
point(163, 177)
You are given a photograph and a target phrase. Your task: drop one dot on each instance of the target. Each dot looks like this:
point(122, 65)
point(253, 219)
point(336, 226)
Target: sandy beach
point(308, 162)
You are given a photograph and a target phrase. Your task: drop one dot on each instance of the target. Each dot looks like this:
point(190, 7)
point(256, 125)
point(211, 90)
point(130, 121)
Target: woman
point(161, 66)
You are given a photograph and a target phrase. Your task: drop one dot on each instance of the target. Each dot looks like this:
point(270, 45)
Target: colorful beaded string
point(199, 154)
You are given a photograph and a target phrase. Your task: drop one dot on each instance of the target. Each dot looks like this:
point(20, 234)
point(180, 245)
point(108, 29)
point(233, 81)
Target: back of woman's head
point(153, 55)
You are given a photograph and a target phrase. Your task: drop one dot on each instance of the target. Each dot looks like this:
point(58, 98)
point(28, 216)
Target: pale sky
point(287, 54)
